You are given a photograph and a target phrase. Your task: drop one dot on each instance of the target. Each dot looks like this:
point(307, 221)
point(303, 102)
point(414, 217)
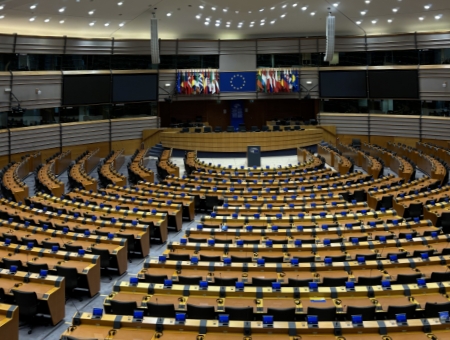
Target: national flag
point(213, 83)
point(269, 82)
point(200, 82)
point(259, 84)
point(178, 82)
point(264, 82)
point(216, 79)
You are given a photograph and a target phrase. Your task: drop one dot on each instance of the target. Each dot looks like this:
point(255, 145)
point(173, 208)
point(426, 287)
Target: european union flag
point(237, 81)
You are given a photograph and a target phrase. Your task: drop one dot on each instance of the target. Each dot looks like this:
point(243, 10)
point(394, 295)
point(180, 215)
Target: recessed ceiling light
point(336, 4)
point(284, 6)
point(121, 24)
point(427, 6)
point(201, 6)
point(437, 17)
point(304, 8)
point(207, 19)
point(61, 21)
point(107, 24)
point(249, 12)
point(252, 23)
point(262, 9)
point(363, 12)
point(206, 23)
point(272, 22)
point(272, 8)
point(421, 18)
point(358, 22)
point(168, 84)
point(283, 15)
point(62, 10)
point(217, 20)
point(33, 18)
point(309, 82)
point(228, 22)
point(225, 10)
point(367, 1)
point(251, 26)
point(2, 6)
point(313, 13)
point(374, 21)
point(120, 3)
point(389, 20)
point(2, 16)
point(395, 10)
point(217, 24)
point(91, 23)
point(33, 6)
point(294, 5)
point(262, 24)
point(169, 14)
point(228, 25)
point(91, 12)
point(237, 12)
point(213, 8)
point(47, 20)
point(198, 16)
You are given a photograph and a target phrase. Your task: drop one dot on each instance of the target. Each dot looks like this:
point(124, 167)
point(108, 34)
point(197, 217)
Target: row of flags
point(198, 82)
point(276, 80)
point(193, 82)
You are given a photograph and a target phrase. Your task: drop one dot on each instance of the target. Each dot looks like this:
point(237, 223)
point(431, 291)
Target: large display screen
point(343, 84)
point(86, 89)
point(135, 88)
point(394, 84)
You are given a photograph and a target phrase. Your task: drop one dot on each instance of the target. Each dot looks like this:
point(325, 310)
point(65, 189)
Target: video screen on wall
point(135, 88)
point(86, 89)
point(343, 84)
point(394, 84)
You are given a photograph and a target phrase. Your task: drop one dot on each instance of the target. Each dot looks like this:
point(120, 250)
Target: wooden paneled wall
point(217, 113)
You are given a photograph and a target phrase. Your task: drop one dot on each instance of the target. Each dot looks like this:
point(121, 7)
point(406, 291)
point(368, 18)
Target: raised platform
point(238, 141)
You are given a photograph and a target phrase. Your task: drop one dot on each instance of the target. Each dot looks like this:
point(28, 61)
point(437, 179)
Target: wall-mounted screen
point(394, 84)
point(343, 84)
point(135, 88)
point(86, 89)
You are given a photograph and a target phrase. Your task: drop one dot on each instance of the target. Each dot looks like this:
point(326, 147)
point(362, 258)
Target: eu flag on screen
point(237, 81)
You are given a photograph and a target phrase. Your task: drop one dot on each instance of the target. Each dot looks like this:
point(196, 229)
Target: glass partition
point(436, 108)
point(85, 113)
point(86, 62)
point(33, 117)
point(131, 62)
point(135, 110)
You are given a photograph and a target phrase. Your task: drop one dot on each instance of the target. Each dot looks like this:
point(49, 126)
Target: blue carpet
point(287, 152)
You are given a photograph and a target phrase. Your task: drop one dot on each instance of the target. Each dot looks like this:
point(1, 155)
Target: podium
point(253, 155)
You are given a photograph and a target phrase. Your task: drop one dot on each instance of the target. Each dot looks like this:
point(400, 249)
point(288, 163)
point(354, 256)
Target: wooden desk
point(138, 169)
point(81, 170)
point(126, 328)
point(13, 177)
point(117, 248)
point(62, 162)
point(111, 167)
point(141, 232)
point(86, 265)
point(47, 178)
point(238, 141)
point(341, 163)
point(49, 290)
point(9, 322)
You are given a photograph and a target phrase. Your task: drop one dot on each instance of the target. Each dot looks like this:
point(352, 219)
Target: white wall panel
point(4, 147)
point(39, 45)
point(123, 129)
point(394, 125)
point(197, 47)
point(431, 81)
point(274, 46)
point(26, 85)
point(435, 128)
point(352, 124)
point(86, 46)
point(35, 138)
point(85, 133)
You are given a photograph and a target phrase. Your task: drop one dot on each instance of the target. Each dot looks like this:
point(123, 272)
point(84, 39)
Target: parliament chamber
point(224, 170)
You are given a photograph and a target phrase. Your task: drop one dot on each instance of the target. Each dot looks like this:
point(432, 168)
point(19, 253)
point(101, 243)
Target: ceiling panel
point(186, 20)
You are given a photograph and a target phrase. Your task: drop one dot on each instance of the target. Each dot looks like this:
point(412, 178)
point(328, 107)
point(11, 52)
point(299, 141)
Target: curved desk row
point(238, 141)
point(109, 326)
point(340, 163)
